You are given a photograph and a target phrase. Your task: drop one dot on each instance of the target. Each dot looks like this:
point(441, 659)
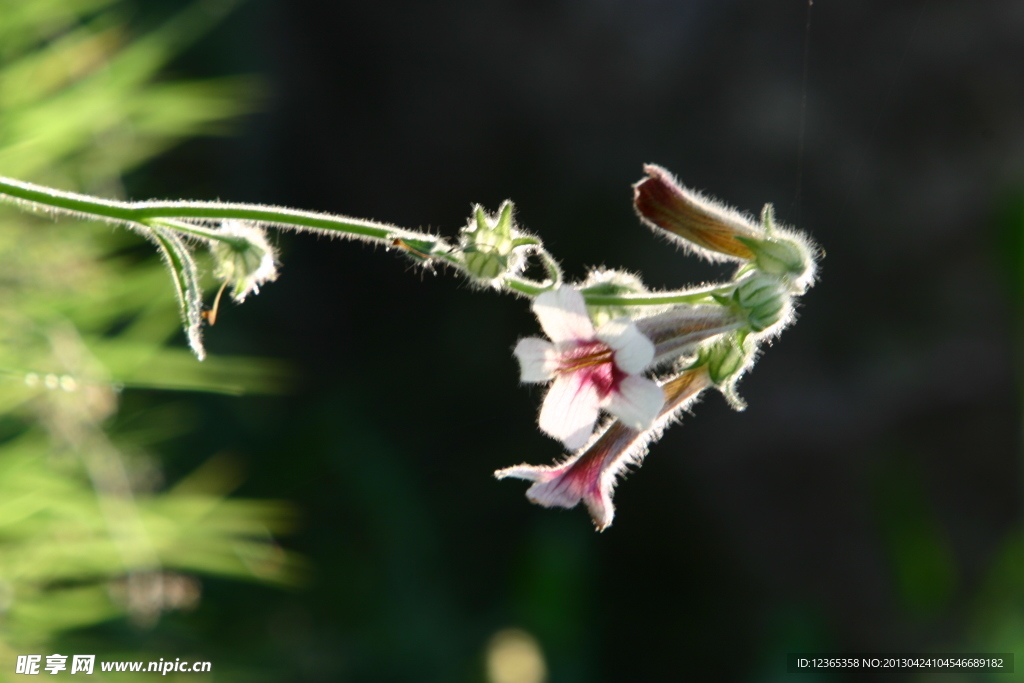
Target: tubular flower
point(705, 226)
point(592, 369)
point(591, 475)
point(679, 330)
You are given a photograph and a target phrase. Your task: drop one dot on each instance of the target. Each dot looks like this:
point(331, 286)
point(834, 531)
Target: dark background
point(867, 499)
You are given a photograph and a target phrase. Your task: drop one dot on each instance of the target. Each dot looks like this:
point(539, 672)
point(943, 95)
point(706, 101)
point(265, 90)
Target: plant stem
point(656, 299)
point(48, 199)
point(187, 213)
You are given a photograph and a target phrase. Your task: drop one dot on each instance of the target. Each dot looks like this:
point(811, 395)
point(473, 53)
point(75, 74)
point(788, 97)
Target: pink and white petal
point(570, 409)
point(599, 504)
point(537, 473)
point(633, 351)
point(585, 477)
point(636, 402)
point(537, 359)
point(563, 315)
point(550, 488)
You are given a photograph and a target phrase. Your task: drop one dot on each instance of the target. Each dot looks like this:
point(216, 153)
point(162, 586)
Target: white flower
point(590, 475)
point(591, 369)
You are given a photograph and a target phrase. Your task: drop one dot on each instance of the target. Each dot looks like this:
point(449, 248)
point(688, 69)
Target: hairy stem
point(47, 199)
point(189, 218)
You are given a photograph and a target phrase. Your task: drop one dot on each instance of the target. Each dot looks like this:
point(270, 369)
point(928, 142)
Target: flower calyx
point(764, 301)
point(244, 258)
point(491, 245)
point(725, 360)
point(611, 283)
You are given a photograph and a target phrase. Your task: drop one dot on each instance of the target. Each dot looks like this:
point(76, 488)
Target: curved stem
point(197, 231)
point(48, 199)
point(551, 265)
point(164, 213)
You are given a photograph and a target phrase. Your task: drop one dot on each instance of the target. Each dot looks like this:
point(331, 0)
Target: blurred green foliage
point(922, 562)
point(86, 533)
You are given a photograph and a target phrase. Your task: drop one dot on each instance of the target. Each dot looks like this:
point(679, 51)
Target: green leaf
point(186, 282)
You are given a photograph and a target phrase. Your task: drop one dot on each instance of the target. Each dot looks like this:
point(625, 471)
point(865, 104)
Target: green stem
point(551, 265)
point(523, 241)
point(654, 299)
point(527, 287)
point(163, 213)
point(46, 198)
point(198, 231)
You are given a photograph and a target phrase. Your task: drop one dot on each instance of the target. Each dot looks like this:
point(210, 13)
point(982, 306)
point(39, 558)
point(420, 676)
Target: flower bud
point(779, 257)
point(765, 300)
point(712, 230)
point(783, 253)
point(245, 260)
point(724, 359)
point(611, 283)
point(488, 244)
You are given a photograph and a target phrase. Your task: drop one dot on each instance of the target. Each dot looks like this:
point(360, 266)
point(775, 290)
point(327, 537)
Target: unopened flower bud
point(709, 228)
point(724, 359)
point(764, 299)
point(489, 244)
point(780, 257)
point(782, 253)
point(245, 260)
point(611, 283)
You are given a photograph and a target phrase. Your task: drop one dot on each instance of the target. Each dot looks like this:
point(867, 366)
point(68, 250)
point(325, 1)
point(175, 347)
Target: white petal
point(637, 402)
point(539, 473)
point(556, 493)
point(570, 410)
point(550, 488)
point(633, 351)
point(553, 486)
point(600, 507)
point(537, 359)
point(563, 315)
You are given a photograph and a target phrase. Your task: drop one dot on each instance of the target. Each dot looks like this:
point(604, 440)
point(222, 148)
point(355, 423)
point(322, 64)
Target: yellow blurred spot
point(51, 381)
point(514, 656)
point(68, 383)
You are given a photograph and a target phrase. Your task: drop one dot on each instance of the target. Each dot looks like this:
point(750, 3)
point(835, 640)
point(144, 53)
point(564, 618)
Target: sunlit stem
point(554, 272)
point(658, 299)
point(524, 286)
point(47, 199)
point(198, 231)
point(164, 214)
point(524, 241)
